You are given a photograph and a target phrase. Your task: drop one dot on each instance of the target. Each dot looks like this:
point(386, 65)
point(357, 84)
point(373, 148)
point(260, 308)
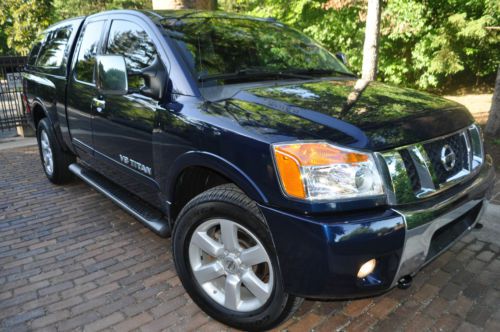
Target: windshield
point(233, 48)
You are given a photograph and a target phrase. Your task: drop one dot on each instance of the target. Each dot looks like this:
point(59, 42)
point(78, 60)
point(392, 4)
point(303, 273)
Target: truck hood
point(372, 116)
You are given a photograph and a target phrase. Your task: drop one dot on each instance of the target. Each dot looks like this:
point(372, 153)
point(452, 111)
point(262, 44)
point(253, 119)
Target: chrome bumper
point(418, 239)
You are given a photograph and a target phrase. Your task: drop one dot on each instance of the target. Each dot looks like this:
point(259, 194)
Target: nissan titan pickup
point(278, 174)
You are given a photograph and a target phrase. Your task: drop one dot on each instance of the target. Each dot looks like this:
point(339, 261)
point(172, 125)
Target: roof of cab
point(59, 23)
point(190, 13)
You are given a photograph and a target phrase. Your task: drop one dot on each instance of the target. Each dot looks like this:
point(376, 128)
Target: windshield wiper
point(252, 72)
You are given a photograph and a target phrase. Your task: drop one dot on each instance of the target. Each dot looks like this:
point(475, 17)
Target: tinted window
point(226, 45)
point(131, 41)
point(36, 48)
point(52, 52)
point(88, 50)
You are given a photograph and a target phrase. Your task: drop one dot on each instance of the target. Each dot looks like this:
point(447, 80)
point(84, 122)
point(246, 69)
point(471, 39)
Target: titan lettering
point(135, 165)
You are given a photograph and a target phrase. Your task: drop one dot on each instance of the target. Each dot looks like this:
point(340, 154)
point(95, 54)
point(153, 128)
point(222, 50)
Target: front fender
point(217, 164)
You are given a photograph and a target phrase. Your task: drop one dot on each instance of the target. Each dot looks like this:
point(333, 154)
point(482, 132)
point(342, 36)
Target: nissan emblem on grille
point(448, 157)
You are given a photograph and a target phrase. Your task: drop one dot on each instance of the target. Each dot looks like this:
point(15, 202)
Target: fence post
point(25, 131)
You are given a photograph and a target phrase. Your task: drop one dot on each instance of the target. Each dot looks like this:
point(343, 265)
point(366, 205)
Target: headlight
point(322, 171)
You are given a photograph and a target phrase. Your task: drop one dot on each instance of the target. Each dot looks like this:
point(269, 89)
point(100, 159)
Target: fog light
point(367, 268)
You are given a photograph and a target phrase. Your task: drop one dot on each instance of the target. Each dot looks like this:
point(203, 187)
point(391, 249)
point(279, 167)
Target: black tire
point(229, 202)
point(60, 173)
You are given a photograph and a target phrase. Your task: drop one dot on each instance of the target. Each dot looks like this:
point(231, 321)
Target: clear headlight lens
point(322, 171)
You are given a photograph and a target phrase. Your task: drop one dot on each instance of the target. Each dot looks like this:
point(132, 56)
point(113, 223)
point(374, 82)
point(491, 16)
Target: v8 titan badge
point(135, 165)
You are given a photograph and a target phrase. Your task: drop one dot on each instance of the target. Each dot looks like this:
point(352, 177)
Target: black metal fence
point(12, 110)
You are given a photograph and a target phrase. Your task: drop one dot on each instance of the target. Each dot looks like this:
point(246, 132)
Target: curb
point(17, 142)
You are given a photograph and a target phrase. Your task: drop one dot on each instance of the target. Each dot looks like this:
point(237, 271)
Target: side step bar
point(149, 216)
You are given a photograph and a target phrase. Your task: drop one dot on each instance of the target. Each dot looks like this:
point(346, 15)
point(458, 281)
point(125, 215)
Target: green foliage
point(425, 44)
point(22, 20)
point(71, 8)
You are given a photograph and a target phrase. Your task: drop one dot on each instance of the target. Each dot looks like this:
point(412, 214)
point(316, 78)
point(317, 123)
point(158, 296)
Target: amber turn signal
point(289, 171)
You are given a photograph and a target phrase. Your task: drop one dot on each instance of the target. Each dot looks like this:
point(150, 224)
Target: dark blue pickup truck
point(278, 173)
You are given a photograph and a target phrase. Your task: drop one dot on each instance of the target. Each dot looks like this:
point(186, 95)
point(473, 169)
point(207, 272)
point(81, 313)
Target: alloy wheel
point(231, 265)
point(48, 159)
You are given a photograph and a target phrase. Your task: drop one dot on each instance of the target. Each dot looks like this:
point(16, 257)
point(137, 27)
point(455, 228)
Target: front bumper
point(319, 257)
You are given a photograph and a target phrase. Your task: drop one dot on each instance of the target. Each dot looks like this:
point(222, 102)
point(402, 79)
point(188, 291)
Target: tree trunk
point(370, 48)
point(185, 4)
point(493, 124)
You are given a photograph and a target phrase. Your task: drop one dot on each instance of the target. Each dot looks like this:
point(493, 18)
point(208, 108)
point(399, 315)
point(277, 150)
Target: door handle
point(98, 104)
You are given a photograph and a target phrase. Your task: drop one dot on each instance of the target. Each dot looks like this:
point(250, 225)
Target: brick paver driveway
point(70, 259)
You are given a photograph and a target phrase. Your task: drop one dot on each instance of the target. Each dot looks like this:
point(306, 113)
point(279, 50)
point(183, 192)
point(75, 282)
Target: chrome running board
point(149, 216)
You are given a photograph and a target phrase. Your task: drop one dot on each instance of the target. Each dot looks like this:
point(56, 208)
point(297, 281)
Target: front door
point(123, 125)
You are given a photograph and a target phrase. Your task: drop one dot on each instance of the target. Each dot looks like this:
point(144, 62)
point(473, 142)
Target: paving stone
point(461, 306)
point(103, 323)
point(450, 291)
point(486, 255)
point(479, 315)
point(447, 322)
point(383, 307)
point(334, 323)
point(72, 260)
point(50, 319)
point(133, 323)
point(468, 327)
point(357, 307)
point(306, 323)
point(23, 317)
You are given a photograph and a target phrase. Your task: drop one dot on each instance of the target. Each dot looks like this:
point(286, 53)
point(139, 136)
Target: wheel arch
point(221, 170)
point(39, 112)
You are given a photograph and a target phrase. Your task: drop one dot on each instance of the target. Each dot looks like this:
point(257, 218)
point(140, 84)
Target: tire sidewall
point(261, 318)
point(43, 126)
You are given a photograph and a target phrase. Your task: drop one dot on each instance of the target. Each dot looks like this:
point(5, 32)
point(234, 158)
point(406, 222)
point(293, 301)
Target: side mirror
point(342, 57)
point(154, 79)
point(111, 75)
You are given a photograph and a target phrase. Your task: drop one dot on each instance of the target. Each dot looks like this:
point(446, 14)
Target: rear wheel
point(227, 263)
point(55, 160)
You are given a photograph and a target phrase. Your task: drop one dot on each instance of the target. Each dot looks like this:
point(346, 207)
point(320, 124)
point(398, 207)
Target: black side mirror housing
point(155, 79)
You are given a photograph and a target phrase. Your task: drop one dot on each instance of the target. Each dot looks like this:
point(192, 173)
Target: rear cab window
point(52, 48)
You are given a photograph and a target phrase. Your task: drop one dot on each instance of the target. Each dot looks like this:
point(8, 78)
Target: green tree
point(370, 47)
point(493, 125)
point(71, 8)
point(425, 44)
point(21, 22)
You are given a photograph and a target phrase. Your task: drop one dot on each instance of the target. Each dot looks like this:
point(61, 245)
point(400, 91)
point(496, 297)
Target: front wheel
point(227, 263)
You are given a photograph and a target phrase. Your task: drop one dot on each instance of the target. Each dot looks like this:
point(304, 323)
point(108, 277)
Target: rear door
point(46, 72)
point(82, 88)
point(123, 127)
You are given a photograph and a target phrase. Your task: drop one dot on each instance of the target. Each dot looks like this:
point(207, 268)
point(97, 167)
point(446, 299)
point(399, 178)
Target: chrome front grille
point(458, 144)
point(424, 169)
